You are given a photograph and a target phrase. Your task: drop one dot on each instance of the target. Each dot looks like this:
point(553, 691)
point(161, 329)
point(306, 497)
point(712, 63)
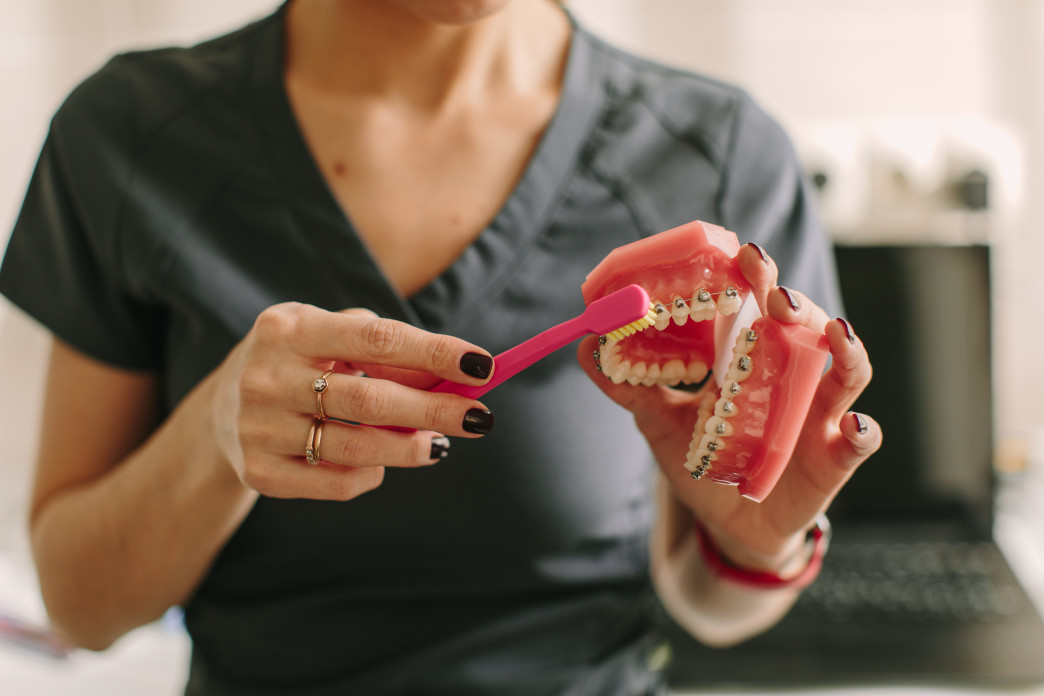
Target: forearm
point(116, 551)
point(717, 612)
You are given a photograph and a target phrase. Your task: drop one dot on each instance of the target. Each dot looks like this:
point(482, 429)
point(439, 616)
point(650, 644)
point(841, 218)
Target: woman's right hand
point(264, 405)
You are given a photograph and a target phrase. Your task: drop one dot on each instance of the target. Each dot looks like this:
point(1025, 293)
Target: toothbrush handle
point(514, 360)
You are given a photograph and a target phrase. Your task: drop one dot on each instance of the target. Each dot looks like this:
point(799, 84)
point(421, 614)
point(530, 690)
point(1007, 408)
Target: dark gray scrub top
point(175, 199)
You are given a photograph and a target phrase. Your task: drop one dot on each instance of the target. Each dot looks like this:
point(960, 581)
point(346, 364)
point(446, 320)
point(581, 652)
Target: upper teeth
point(700, 306)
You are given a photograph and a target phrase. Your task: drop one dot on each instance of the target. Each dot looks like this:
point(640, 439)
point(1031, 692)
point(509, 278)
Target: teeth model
point(765, 371)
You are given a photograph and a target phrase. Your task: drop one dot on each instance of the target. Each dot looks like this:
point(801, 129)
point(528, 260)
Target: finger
point(794, 307)
point(760, 271)
point(409, 378)
point(291, 477)
point(382, 402)
point(812, 481)
point(849, 374)
point(344, 444)
point(359, 338)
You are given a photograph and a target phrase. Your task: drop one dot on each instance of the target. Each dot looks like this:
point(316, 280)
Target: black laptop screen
point(924, 314)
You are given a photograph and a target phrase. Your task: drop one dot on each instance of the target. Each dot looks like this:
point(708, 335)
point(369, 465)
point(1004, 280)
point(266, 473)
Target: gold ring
point(317, 440)
point(312, 446)
point(319, 385)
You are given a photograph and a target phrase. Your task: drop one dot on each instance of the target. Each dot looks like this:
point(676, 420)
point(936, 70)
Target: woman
point(450, 170)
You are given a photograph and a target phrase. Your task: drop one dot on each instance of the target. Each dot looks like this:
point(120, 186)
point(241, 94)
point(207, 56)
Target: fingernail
point(478, 421)
point(790, 298)
point(860, 423)
point(758, 249)
point(848, 330)
point(476, 365)
point(440, 447)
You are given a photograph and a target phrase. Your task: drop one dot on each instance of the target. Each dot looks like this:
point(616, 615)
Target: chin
point(454, 12)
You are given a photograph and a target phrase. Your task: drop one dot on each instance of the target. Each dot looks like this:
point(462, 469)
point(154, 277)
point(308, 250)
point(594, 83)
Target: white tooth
point(673, 371)
point(739, 368)
point(609, 355)
point(724, 408)
point(703, 307)
point(699, 459)
point(731, 388)
point(729, 302)
point(745, 341)
point(712, 443)
point(716, 424)
point(653, 373)
point(679, 310)
point(637, 373)
point(620, 372)
point(705, 456)
point(663, 315)
point(695, 372)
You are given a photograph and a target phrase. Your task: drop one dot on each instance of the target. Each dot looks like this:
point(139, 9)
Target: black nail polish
point(478, 421)
point(848, 330)
point(440, 447)
point(794, 304)
point(476, 365)
point(861, 424)
point(761, 252)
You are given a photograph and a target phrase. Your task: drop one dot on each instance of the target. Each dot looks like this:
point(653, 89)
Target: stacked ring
point(315, 436)
point(315, 433)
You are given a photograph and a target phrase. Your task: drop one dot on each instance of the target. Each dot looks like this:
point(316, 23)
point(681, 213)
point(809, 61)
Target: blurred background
point(921, 121)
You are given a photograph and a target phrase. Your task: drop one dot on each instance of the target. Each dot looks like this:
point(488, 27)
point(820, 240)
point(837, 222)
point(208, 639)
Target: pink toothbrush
point(628, 311)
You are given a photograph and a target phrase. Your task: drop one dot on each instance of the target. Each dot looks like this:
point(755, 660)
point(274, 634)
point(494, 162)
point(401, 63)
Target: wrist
point(796, 569)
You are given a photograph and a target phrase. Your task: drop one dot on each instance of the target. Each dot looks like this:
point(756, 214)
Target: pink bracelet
point(818, 536)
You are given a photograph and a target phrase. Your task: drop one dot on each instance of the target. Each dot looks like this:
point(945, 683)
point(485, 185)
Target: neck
point(383, 49)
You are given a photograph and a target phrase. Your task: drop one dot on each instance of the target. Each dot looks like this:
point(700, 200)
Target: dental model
point(707, 321)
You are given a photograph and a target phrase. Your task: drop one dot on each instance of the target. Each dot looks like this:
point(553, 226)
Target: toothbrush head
point(622, 313)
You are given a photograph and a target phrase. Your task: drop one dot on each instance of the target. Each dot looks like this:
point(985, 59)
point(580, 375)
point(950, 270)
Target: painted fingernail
point(848, 330)
point(860, 423)
point(440, 447)
point(760, 251)
point(794, 304)
point(478, 421)
point(476, 365)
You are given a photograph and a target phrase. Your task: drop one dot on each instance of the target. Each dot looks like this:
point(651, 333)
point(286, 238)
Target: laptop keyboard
point(937, 581)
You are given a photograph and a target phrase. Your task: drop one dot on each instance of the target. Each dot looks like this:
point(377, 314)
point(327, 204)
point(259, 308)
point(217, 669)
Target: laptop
point(913, 589)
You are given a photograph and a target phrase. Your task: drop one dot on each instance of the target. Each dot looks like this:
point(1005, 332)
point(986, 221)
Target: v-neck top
point(175, 199)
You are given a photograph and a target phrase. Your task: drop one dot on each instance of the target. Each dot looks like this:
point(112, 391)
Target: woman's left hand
point(833, 441)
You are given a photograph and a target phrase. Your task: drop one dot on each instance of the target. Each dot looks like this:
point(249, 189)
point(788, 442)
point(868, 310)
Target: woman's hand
point(264, 406)
point(833, 441)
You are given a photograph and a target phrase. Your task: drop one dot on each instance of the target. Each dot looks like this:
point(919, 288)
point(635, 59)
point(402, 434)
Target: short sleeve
point(63, 264)
point(766, 199)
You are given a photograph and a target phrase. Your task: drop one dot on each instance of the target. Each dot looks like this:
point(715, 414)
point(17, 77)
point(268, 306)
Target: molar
point(620, 372)
point(729, 302)
point(663, 315)
point(716, 425)
point(724, 408)
point(739, 368)
point(695, 372)
point(609, 356)
point(703, 306)
point(679, 310)
point(673, 371)
point(711, 444)
point(637, 373)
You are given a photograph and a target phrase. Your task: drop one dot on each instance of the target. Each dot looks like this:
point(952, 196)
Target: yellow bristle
point(635, 326)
